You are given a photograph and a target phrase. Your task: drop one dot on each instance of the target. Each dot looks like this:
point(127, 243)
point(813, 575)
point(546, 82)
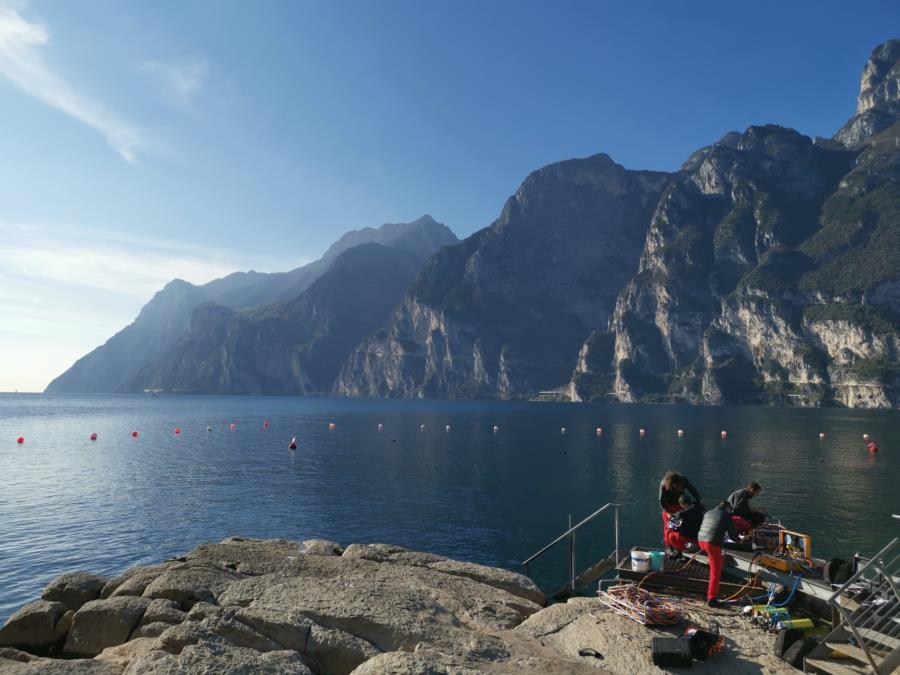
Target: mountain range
point(763, 270)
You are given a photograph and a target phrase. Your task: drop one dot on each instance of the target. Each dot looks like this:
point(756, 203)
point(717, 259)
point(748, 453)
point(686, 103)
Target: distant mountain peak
point(878, 103)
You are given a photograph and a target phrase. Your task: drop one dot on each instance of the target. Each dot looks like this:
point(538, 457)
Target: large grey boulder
point(189, 583)
point(247, 557)
point(34, 626)
point(104, 623)
point(162, 610)
point(133, 581)
point(320, 547)
point(214, 659)
point(150, 630)
point(74, 589)
point(124, 653)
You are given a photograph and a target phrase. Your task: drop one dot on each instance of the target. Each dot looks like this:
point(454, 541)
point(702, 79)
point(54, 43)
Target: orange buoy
point(93, 436)
point(641, 431)
point(232, 426)
point(134, 434)
point(265, 424)
point(872, 447)
point(20, 440)
point(723, 434)
point(177, 431)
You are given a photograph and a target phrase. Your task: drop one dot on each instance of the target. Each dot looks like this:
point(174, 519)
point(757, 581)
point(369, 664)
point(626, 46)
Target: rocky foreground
point(278, 606)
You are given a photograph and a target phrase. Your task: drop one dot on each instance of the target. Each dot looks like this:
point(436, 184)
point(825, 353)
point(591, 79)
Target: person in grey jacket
point(716, 524)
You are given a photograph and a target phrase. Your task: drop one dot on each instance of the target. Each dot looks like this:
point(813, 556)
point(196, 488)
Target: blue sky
point(143, 141)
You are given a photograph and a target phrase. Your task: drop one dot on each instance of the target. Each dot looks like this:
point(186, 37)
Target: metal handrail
point(570, 533)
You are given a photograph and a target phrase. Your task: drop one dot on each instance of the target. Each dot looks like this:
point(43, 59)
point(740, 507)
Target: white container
point(640, 561)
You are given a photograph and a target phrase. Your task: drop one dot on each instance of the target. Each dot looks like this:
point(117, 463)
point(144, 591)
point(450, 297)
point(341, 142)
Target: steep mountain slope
point(165, 318)
point(503, 313)
point(769, 272)
point(293, 347)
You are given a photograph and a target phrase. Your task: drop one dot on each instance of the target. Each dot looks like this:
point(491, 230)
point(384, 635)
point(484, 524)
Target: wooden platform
point(686, 574)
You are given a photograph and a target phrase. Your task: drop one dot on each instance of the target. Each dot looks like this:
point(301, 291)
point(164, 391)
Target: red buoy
point(93, 435)
point(232, 426)
point(266, 424)
point(177, 430)
point(134, 434)
point(872, 447)
point(332, 425)
point(20, 440)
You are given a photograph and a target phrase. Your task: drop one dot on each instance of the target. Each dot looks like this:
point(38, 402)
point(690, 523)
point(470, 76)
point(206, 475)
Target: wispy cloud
point(21, 43)
point(181, 81)
point(124, 264)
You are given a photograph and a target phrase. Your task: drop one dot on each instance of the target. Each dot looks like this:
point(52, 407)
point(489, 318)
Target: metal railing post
point(571, 555)
point(616, 517)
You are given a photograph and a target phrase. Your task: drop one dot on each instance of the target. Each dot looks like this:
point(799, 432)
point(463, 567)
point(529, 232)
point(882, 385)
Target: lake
point(68, 503)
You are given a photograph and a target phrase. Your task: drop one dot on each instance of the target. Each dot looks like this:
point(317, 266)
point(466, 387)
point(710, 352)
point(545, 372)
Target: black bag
point(796, 652)
point(671, 652)
point(786, 637)
point(702, 642)
point(837, 571)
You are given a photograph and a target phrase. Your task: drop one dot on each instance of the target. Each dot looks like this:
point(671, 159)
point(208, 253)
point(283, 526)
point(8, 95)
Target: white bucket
point(640, 561)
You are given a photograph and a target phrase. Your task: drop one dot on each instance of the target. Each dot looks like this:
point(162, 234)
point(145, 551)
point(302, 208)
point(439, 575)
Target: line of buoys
point(177, 431)
point(134, 434)
point(93, 436)
point(293, 444)
point(20, 440)
point(232, 426)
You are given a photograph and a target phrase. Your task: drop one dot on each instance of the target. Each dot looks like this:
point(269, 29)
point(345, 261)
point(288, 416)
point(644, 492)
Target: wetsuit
point(716, 523)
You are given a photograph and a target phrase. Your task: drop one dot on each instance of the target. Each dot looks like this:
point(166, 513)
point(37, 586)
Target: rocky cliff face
point(113, 366)
point(294, 347)
point(878, 105)
point(502, 314)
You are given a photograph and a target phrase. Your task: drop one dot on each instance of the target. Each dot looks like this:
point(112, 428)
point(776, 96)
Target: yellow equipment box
point(793, 553)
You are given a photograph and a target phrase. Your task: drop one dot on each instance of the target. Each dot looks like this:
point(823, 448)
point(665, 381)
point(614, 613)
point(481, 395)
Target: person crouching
point(716, 523)
point(684, 527)
point(746, 518)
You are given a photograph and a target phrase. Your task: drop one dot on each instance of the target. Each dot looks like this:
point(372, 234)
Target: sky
point(144, 141)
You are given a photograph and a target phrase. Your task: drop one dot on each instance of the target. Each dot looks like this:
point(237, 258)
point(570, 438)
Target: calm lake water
point(69, 503)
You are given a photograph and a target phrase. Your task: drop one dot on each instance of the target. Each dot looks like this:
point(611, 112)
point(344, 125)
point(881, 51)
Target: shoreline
point(248, 605)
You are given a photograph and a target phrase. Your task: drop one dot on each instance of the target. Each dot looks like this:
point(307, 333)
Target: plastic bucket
point(656, 560)
point(640, 561)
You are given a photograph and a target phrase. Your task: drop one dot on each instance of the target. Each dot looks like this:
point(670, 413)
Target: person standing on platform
point(716, 524)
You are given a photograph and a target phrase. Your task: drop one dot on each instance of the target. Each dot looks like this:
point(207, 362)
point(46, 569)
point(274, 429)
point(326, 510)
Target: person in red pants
point(684, 526)
point(716, 523)
point(672, 487)
point(744, 516)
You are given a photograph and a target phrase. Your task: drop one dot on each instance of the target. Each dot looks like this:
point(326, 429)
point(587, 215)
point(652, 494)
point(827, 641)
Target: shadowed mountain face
point(112, 366)
point(503, 313)
point(763, 271)
point(290, 347)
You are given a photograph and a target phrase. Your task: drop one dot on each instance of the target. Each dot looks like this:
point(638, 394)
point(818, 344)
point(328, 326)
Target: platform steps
point(867, 640)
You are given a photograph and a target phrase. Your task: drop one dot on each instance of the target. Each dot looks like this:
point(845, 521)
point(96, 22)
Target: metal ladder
point(868, 637)
point(579, 581)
